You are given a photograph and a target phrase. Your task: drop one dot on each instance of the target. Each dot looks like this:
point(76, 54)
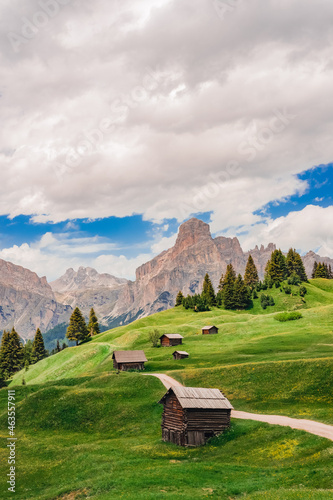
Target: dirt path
point(322, 430)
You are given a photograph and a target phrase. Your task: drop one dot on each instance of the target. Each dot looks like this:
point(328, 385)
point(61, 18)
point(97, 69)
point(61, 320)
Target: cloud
point(53, 254)
point(116, 108)
point(307, 229)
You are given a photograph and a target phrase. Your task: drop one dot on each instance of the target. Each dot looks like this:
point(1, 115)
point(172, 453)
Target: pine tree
point(27, 353)
point(228, 288)
point(77, 329)
point(241, 294)
point(321, 271)
point(5, 354)
point(276, 270)
point(93, 326)
point(330, 272)
point(38, 347)
point(208, 292)
point(58, 348)
point(251, 277)
point(179, 299)
point(15, 353)
point(295, 265)
point(314, 269)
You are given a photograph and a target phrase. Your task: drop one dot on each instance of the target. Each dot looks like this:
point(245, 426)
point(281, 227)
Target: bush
point(266, 300)
point(292, 316)
point(303, 291)
point(154, 337)
point(287, 290)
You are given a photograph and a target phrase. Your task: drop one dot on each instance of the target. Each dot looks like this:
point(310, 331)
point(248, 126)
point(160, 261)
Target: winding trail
point(316, 428)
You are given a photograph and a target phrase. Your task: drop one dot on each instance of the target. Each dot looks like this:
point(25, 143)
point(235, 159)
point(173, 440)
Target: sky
point(122, 119)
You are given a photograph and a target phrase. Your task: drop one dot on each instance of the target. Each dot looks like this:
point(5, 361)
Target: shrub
point(154, 336)
point(266, 300)
point(287, 290)
point(292, 316)
point(303, 291)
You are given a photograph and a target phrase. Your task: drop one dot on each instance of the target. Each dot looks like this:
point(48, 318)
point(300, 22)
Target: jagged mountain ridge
point(30, 302)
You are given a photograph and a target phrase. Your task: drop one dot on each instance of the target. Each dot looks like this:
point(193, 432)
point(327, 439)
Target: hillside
point(76, 401)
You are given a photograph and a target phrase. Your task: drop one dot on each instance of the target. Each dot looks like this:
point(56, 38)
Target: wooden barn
point(207, 330)
point(129, 360)
point(180, 355)
point(193, 415)
point(171, 339)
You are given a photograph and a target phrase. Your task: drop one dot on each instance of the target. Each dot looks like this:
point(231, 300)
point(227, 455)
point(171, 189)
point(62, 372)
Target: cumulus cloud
point(307, 229)
point(115, 108)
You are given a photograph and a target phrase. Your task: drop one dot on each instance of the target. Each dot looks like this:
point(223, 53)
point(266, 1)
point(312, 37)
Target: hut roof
point(129, 356)
point(172, 336)
point(208, 327)
point(198, 398)
point(181, 352)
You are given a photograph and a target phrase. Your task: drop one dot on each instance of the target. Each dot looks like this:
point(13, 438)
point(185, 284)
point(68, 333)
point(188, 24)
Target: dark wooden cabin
point(180, 355)
point(129, 360)
point(193, 415)
point(207, 330)
point(171, 339)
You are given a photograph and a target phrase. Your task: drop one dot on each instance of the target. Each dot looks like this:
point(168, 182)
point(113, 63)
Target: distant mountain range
point(29, 302)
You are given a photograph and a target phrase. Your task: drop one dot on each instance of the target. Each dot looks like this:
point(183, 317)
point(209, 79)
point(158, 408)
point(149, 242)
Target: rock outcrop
point(28, 301)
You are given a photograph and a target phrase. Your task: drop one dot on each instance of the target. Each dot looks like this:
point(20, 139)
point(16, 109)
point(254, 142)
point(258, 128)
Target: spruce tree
point(77, 329)
point(5, 354)
point(15, 353)
point(228, 288)
point(208, 292)
point(38, 347)
point(314, 269)
point(276, 269)
point(295, 265)
point(241, 294)
point(179, 299)
point(93, 326)
point(251, 277)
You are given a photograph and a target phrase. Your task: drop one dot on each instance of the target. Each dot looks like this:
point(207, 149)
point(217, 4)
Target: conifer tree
point(228, 288)
point(241, 294)
point(5, 354)
point(251, 277)
point(208, 292)
point(276, 270)
point(77, 329)
point(93, 326)
point(179, 299)
point(14, 354)
point(27, 353)
point(295, 265)
point(314, 269)
point(38, 347)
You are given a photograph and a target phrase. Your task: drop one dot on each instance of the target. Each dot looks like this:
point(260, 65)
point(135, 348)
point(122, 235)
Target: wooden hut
point(171, 339)
point(129, 360)
point(192, 415)
point(207, 330)
point(180, 355)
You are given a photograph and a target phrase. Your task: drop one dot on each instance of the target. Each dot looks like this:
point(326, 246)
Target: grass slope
point(86, 432)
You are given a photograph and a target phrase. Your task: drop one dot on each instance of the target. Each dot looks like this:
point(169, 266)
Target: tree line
point(14, 355)
point(236, 292)
point(322, 270)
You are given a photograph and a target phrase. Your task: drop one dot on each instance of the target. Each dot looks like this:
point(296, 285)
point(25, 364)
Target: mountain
point(28, 301)
point(87, 288)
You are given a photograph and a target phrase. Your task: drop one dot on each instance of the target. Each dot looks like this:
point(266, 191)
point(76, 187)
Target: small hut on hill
point(129, 360)
point(207, 330)
point(192, 415)
point(171, 339)
point(180, 355)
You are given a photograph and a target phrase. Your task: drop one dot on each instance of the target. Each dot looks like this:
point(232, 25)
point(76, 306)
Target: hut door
point(195, 438)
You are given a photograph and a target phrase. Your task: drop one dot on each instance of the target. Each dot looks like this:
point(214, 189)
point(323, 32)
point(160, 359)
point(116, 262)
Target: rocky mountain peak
point(192, 232)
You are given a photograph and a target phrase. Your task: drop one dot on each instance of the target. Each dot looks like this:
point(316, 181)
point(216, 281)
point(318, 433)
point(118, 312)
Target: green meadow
point(85, 431)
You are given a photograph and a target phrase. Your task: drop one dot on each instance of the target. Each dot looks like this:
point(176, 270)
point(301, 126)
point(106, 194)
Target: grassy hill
point(87, 432)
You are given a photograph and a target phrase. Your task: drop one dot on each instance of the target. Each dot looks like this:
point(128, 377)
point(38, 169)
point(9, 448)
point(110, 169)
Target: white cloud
point(307, 229)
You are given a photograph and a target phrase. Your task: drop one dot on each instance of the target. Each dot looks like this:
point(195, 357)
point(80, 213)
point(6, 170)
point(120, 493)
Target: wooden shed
point(192, 415)
point(207, 330)
point(129, 360)
point(171, 339)
point(180, 355)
